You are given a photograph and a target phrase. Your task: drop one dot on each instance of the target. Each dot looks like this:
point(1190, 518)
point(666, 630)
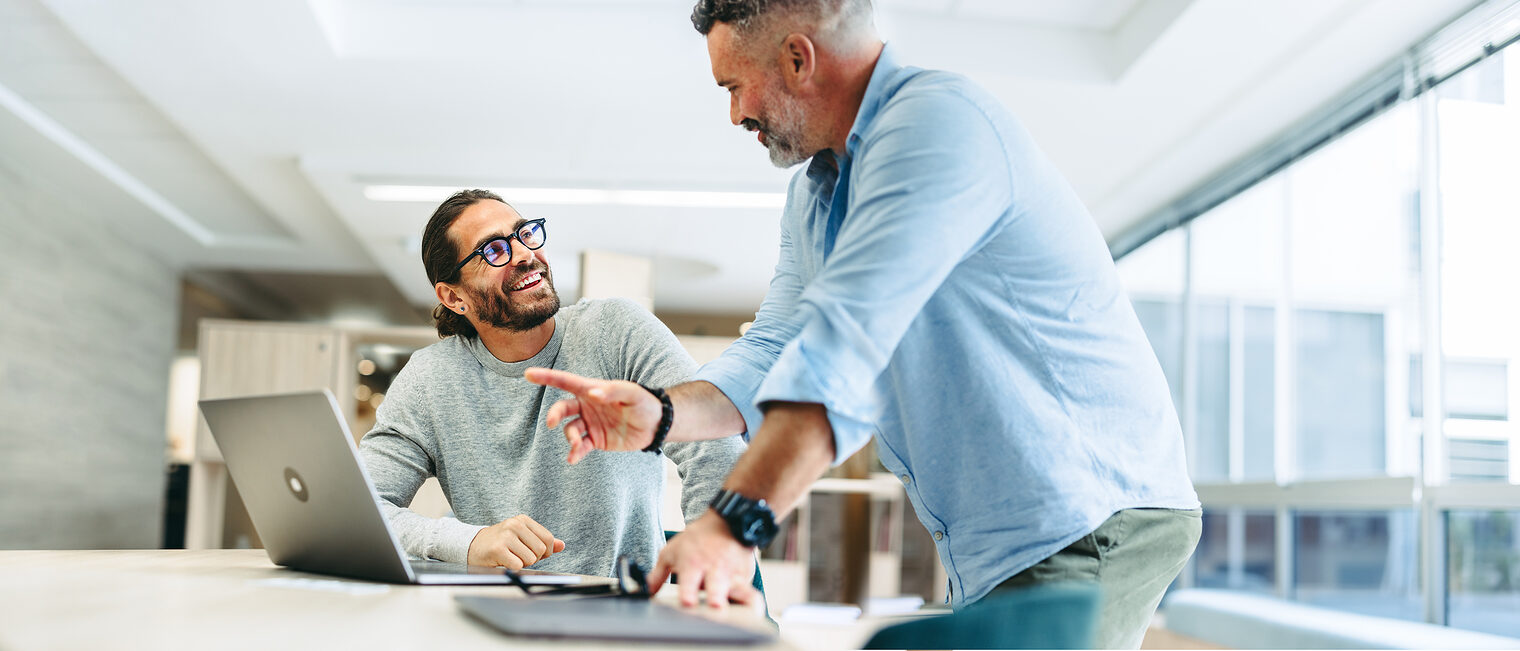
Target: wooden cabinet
point(242, 358)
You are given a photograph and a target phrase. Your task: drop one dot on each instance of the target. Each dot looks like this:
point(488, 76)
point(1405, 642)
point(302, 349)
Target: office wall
point(87, 330)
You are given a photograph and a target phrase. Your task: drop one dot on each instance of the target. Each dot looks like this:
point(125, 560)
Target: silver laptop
point(313, 506)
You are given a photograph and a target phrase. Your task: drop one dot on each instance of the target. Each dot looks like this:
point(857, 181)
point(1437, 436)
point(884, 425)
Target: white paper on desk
point(816, 613)
point(325, 585)
point(888, 606)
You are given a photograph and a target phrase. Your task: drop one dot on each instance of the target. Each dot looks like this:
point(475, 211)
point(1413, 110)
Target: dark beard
point(499, 312)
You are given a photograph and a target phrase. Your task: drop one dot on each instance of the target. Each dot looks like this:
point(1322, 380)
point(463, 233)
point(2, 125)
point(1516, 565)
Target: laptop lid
point(299, 474)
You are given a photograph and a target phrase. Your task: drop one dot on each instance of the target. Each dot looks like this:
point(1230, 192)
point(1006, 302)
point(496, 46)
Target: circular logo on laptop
point(296, 485)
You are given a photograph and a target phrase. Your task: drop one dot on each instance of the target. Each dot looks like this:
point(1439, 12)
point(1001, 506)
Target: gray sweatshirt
point(458, 413)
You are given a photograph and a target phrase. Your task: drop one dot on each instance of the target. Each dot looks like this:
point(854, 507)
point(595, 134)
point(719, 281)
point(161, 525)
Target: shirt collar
point(823, 168)
point(545, 357)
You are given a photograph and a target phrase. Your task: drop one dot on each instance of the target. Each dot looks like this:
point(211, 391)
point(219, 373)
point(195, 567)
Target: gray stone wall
point(87, 327)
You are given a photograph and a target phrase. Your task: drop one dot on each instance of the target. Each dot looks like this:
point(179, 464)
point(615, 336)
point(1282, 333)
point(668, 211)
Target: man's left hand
point(706, 557)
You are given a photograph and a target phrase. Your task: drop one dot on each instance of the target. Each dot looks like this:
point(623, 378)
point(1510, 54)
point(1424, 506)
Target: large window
point(1479, 160)
point(1295, 320)
point(1478, 115)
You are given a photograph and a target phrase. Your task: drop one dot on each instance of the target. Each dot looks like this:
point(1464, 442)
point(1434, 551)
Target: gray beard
point(784, 139)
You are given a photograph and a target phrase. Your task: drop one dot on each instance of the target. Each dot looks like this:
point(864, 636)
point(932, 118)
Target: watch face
point(750, 521)
point(758, 531)
point(768, 532)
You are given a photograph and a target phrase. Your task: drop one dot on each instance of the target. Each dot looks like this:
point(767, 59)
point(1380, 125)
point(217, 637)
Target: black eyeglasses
point(497, 251)
point(631, 582)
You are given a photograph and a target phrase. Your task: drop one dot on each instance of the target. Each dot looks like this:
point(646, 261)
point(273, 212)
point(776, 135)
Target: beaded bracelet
point(667, 416)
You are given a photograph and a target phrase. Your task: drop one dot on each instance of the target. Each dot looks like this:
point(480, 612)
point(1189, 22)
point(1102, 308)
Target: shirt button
point(907, 480)
point(939, 535)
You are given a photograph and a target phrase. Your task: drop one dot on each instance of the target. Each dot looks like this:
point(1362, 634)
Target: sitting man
point(461, 411)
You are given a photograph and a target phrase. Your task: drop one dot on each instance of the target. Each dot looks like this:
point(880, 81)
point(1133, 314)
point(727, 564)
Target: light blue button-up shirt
point(942, 287)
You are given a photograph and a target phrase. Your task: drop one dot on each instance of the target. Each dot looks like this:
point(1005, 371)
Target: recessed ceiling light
point(586, 196)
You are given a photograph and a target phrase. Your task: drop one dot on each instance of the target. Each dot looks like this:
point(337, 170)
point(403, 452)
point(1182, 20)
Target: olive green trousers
point(1133, 556)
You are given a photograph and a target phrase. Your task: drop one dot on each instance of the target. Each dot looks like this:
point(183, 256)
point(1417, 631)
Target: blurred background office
point(1313, 205)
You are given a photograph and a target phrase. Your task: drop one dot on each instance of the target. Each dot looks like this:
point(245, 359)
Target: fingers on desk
point(717, 589)
point(743, 593)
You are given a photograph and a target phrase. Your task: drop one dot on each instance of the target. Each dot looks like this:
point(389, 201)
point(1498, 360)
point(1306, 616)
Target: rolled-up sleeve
point(741, 368)
point(930, 186)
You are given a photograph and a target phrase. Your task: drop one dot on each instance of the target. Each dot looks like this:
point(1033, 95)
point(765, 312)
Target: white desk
point(165, 599)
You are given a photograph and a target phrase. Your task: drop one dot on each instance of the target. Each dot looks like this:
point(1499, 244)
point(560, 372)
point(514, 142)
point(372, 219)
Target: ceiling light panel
point(586, 196)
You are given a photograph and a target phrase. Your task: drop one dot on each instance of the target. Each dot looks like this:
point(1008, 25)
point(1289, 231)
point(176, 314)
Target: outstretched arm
point(717, 403)
point(622, 416)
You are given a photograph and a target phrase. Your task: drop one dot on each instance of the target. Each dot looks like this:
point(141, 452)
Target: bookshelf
point(789, 562)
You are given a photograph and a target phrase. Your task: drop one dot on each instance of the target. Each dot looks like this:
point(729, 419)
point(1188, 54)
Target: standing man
point(942, 288)
point(461, 411)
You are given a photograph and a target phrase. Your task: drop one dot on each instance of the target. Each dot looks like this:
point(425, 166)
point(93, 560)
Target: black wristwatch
point(751, 522)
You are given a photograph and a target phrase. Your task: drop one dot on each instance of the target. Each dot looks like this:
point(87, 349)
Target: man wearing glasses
point(942, 289)
point(461, 411)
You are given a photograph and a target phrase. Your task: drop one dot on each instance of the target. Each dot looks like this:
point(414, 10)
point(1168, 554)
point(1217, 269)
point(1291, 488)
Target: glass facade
point(1294, 321)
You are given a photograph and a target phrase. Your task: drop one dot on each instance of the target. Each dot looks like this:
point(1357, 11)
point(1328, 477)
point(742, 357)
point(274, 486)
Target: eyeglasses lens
point(532, 235)
point(497, 252)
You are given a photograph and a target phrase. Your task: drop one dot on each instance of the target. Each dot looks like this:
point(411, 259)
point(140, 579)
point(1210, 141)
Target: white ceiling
point(241, 135)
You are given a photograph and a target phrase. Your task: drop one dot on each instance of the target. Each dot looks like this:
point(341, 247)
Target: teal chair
point(1057, 616)
point(758, 582)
